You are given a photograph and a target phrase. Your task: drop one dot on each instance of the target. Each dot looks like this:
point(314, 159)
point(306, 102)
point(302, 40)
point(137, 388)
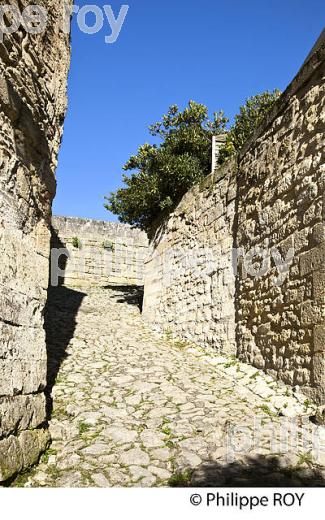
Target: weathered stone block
point(312, 260)
point(318, 235)
point(319, 286)
point(318, 370)
point(311, 313)
point(21, 412)
point(11, 458)
point(20, 452)
point(32, 444)
point(319, 338)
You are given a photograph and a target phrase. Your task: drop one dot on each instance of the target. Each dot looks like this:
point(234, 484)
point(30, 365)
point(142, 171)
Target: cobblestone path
point(135, 408)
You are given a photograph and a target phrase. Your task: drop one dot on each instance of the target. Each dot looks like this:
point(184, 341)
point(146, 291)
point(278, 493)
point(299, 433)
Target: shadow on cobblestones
point(257, 471)
point(59, 324)
point(132, 408)
point(131, 294)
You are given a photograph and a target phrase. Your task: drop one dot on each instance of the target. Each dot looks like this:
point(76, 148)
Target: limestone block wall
point(100, 253)
point(261, 293)
point(281, 319)
point(33, 72)
point(189, 275)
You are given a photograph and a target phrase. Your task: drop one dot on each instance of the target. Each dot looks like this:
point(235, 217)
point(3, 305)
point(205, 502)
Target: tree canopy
point(162, 173)
point(250, 116)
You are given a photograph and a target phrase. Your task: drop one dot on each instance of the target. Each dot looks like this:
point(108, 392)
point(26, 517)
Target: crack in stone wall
point(33, 74)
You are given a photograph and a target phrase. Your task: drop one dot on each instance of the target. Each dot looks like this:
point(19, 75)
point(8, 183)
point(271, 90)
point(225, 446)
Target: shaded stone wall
point(265, 278)
point(100, 253)
point(33, 72)
point(189, 277)
point(281, 322)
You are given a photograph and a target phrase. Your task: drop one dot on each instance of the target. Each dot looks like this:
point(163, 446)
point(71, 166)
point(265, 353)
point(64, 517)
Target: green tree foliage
point(251, 114)
point(162, 173)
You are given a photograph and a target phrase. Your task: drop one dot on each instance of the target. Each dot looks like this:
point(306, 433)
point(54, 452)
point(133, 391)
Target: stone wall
point(33, 72)
point(189, 278)
point(251, 240)
point(100, 253)
point(281, 319)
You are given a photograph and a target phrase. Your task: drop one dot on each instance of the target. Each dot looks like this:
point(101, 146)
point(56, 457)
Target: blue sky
point(217, 52)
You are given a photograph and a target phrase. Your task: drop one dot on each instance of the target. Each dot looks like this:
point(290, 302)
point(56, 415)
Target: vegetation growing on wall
point(250, 116)
point(76, 242)
point(108, 245)
point(163, 173)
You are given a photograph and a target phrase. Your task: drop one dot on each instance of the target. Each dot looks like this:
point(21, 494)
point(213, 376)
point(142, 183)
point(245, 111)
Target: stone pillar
point(33, 75)
point(217, 142)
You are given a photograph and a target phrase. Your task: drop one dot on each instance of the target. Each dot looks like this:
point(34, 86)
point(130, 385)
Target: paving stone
point(138, 473)
point(188, 458)
point(147, 481)
point(120, 435)
point(151, 439)
point(135, 457)
point(130, 409)
point(100, 480)
point(163, 454)
point(162, 474)
point(118, 478)
point(96, 449)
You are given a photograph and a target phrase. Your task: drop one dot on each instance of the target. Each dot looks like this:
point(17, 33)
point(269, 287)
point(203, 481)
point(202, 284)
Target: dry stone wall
point(281, 314)
point(189, 277)
point(33, 72)
point(100, 253)
point(240, 264)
